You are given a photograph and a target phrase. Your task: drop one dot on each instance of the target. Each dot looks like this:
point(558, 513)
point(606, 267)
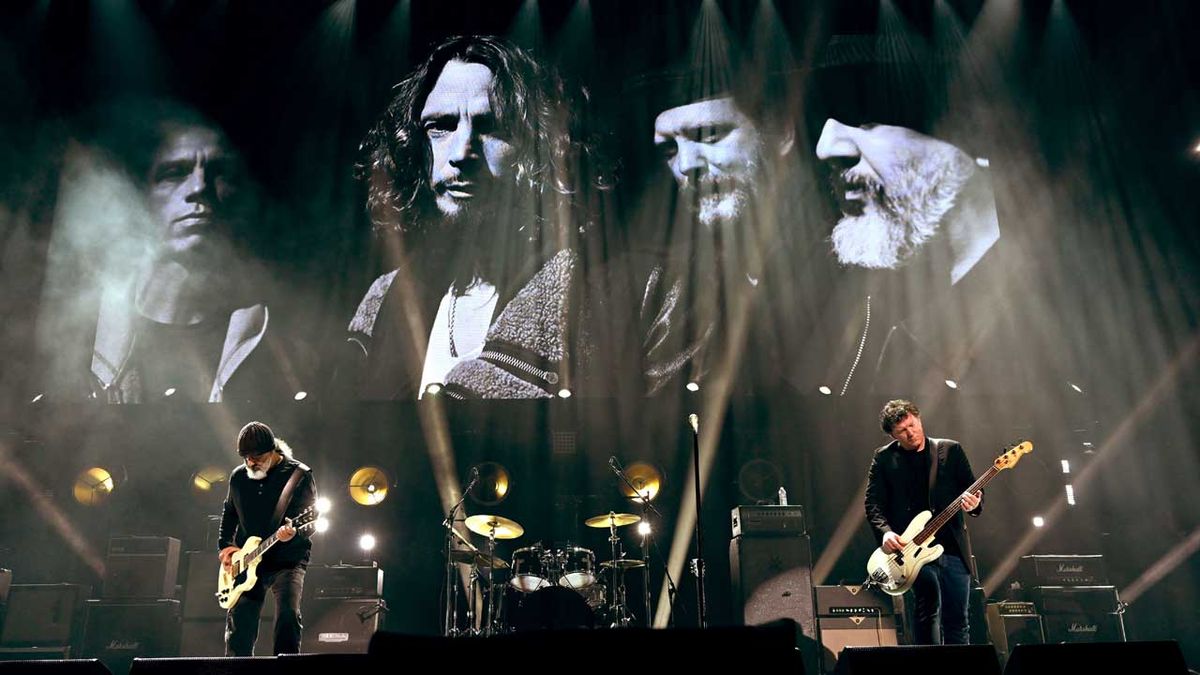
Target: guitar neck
point(950, 511)
point(257, 552)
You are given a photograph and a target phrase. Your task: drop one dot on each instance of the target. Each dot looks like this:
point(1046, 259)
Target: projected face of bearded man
point(714, 151)
point(893, 187)
point(194, 194)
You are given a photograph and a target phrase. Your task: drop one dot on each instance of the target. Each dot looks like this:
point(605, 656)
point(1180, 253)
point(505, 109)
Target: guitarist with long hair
point(266, 492)
point(916, 473)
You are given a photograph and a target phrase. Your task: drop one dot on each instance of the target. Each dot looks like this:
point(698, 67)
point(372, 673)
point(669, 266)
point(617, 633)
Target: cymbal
point(503, 527)
point(624, 563)
point(643, 476)
point(612, 519)
point(478, 559)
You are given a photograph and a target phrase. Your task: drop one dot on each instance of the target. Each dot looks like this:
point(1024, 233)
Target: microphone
point(614, 464)
point(474, 478)
point(694, 420)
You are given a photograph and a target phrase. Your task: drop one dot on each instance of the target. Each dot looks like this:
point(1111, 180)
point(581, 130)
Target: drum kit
point(546, 586)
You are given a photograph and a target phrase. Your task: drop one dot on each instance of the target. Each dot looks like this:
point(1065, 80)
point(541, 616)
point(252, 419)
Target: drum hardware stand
point(646, 543)
point(620, 615)
point(450, 622)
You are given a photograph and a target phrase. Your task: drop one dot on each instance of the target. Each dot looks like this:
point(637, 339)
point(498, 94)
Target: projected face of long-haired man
point(194, 187)
point(714, 152)
point(469, 150)
point(893, 187)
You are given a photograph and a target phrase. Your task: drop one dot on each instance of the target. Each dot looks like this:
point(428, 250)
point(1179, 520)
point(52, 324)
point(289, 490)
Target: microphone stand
point(647, 506)
point(450, 621)
point(698, 563)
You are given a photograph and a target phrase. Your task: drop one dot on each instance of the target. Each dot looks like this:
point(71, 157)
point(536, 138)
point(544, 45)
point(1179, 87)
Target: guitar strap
point(285, 497)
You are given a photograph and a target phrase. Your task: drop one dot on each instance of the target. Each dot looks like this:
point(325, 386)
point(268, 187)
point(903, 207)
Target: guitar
point(244, 563)
point(894, 573)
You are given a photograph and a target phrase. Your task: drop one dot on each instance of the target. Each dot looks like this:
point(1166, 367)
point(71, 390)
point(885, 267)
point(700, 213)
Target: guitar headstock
point(1009, 459)
point(306, 518)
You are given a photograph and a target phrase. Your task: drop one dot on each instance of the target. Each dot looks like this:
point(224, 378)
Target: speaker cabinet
point(200, 588)
point(142, 568)
point(1160, 658)
point(46, 615)
point(840, 632)
point(343, 625)
point(116, 632)
point(925, 659)
point(1084, 628)
point(772, 579)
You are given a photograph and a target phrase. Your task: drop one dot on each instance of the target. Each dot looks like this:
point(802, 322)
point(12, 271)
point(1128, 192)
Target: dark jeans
point(940, 592)
point(241, 622)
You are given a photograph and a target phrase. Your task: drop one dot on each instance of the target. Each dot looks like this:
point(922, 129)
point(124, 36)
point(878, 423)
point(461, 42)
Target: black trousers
point(241, 622)
point(940, 595)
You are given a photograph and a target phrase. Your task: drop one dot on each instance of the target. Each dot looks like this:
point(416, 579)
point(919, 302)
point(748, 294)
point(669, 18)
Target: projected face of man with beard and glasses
point(894, 188)
point(714, 152)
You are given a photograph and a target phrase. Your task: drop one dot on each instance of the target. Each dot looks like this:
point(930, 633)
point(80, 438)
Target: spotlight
point(645, 477)
point(37, 398)
point(643, 528)
point(494, 483)
point(692, 386)
point(367, 542)
point(433, 389)
point(300, 395)
point(368, 485)
point(324, 504)
point(825, 390)
point(1077, 388)
point(1088, 448)
point(1039, 521)
point(93, 486)
point(1070, 495)
point(564, 393)
point(207, 479)
point(952, 384)
point(1066, 466)
point(322, 524)
point(169, 392)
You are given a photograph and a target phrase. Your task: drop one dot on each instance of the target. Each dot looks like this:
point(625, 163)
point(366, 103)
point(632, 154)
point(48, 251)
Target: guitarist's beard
point(256, 474)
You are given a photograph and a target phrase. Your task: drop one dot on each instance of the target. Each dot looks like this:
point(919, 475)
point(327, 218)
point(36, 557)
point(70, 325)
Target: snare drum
point(531, 569)
point(578, 567)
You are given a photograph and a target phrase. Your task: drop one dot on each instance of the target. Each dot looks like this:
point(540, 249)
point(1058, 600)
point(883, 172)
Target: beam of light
point(851, 520)
point(1161, 568)
point(1117, 441)
point(35, 493)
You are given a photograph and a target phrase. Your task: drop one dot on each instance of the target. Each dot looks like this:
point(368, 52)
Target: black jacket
point(891, 501)
point(250, 505)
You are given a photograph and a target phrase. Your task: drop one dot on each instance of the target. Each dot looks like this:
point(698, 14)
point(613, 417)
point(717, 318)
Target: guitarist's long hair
point(283, 448)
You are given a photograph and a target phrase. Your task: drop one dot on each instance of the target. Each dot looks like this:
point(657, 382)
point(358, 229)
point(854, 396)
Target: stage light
point(1039, 521)
point(37, 398)
point(324, 504)
point(1070, 495)
point(169, 392)
point(1066, 466)
point(368, 485)
point(692, 386)
point(208, 479)
point(1077, 388)
point(1088, 448)
point(825, 390)
point(367, 542)
point(644, 528)
point(952, 384)
point(644, 477)
point(322, 524)
point(93, 486)
point(433, 389)
point(494, 484)
point(564, 393)
point(300, 395)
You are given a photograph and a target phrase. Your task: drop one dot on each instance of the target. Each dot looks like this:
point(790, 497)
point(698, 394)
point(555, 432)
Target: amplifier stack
point(1074, 598)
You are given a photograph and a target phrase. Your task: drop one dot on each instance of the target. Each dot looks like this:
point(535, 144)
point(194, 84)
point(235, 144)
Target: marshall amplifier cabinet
point(1062, 570)
point(1080, 613)
point(117, 632)
point(767, 520)
point(344, 581)
point(44, 615)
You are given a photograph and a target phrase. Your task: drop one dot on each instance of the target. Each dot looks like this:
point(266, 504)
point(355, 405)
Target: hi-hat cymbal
point(644, 477)
point(612, 520)
point(478, 559)
point(624, 563)
point(503, 528)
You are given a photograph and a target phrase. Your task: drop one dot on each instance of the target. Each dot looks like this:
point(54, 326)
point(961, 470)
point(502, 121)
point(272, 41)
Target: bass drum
point(550, 608)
